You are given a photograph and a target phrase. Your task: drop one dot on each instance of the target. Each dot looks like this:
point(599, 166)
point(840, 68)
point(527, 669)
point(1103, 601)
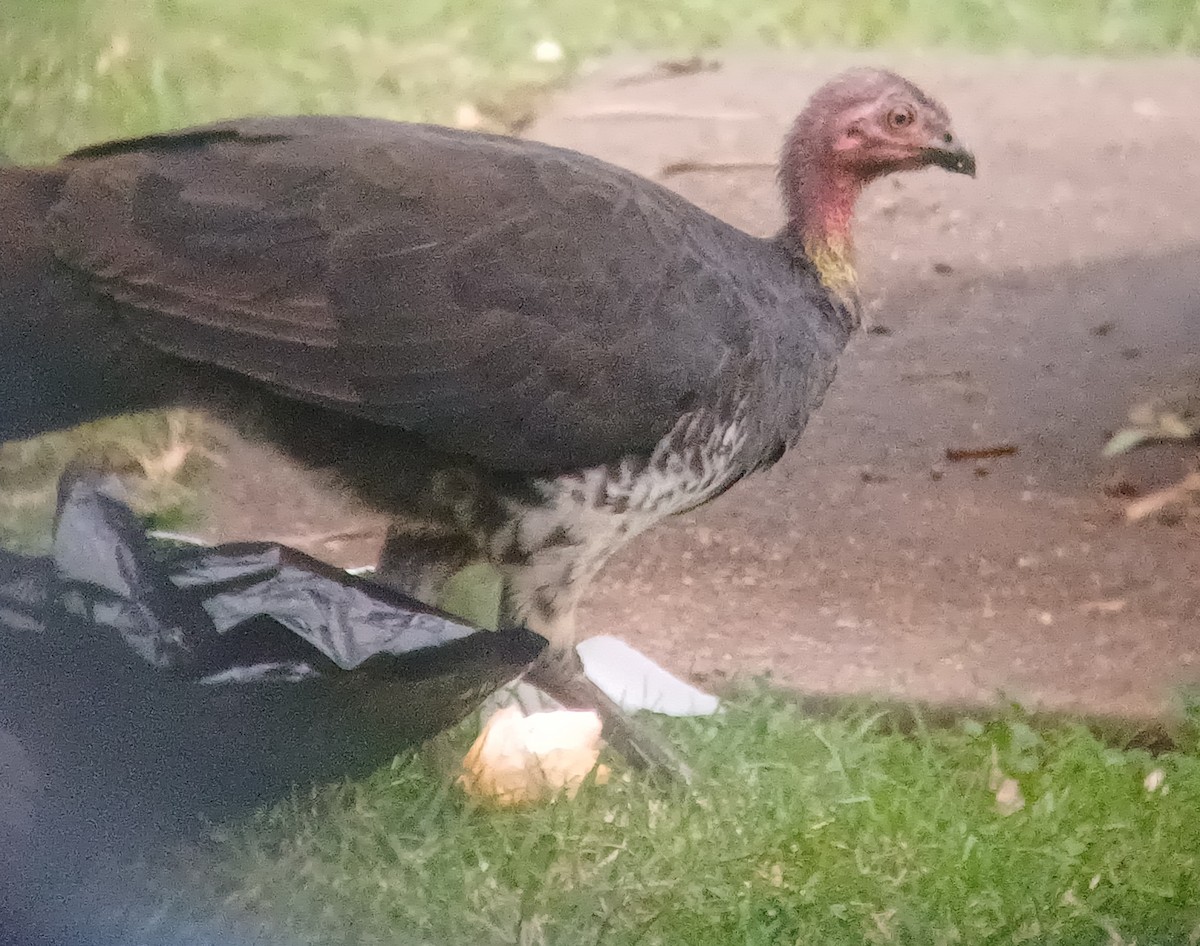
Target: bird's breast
point(691, 465)
point(551, 548)
point(586, 516)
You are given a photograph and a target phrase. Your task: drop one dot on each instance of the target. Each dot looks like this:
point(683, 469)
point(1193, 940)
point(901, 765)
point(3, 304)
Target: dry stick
point(659, 113)
point(670, 69)
point(720, 167)
point(323, 538)
point(1160, 499)
point(956, 455)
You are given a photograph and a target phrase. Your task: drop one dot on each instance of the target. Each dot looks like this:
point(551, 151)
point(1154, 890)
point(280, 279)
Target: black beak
point(953, 157)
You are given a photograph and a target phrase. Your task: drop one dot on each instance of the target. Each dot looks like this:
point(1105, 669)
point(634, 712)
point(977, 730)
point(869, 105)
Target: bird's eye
point(901, 117)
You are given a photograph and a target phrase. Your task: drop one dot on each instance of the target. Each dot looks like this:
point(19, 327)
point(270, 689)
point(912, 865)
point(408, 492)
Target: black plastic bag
point(145, 691)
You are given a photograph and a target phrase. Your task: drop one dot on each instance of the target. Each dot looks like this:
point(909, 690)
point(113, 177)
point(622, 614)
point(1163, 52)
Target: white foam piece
point(635, 682)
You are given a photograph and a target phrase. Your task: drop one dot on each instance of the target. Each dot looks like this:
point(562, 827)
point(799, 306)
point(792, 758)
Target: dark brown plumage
point(526, 354)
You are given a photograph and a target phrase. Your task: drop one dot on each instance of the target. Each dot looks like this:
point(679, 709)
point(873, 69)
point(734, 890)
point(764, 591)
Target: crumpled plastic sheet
point(147, 691)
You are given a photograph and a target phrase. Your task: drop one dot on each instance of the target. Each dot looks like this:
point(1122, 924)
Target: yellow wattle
point(833, 257)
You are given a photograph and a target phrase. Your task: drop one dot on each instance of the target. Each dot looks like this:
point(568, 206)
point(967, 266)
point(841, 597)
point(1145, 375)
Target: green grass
point(800, 831)
point(162, 457)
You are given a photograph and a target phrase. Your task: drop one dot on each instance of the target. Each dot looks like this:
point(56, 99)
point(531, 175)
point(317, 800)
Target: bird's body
point(527, 355)
point(258, 269)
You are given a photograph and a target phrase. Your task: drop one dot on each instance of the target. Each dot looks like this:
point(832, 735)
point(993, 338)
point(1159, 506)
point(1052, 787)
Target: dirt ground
point(1031, 307)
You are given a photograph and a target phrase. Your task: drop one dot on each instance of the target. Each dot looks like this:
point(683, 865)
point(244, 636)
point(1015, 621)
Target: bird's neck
point(821, 199)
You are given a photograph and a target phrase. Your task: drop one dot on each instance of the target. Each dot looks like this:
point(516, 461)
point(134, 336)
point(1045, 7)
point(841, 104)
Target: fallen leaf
point(1009, 799)
point(1169, 418)
point(1125, 440)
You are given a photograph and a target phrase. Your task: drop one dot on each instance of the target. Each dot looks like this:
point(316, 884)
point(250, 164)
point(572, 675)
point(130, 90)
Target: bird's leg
point(443, 569)
point(419, 562)
point(559, 672)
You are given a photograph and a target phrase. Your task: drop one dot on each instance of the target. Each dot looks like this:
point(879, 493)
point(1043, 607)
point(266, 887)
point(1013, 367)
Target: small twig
point(1159, 500)
point(690, 166)
point(658, 113)
point(323, 538)
point(957, 455)
point(670, 69)
point(916, 377)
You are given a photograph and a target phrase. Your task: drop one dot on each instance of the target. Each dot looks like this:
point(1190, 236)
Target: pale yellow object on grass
point(520, 759)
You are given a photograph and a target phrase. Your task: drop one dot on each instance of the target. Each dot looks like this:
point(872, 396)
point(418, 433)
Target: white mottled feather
point(602, 509)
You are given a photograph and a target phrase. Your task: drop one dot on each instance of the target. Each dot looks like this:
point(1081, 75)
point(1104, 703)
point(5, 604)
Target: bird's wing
point(523, 305)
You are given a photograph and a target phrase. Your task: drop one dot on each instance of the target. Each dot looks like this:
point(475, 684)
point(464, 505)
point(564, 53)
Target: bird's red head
point(859, 126)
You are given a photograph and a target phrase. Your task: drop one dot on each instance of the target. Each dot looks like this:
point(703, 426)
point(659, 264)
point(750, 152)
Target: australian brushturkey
point(525, 354)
